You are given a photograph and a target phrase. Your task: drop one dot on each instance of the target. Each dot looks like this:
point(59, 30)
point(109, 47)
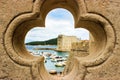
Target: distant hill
point(47, 42)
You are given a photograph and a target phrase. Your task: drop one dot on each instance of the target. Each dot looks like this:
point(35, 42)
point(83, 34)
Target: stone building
point(64, 43)
point(80, 48)
point(82, 45)
point(100, 17)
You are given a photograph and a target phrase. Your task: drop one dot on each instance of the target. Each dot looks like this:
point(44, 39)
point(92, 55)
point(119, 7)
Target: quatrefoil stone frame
point(21, 24)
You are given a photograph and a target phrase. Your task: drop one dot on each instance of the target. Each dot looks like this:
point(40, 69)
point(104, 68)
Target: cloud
point(58, 21)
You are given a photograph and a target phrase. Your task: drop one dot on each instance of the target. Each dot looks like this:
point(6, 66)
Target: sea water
point(48, 65)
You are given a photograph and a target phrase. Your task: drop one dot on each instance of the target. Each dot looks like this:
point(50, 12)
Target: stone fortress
point(64, 43)
point(72, 43)
point(80, 47)
point(100, 17)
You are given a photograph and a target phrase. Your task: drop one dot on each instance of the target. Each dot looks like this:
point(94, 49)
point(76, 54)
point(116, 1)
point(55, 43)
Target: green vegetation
point(48, 42)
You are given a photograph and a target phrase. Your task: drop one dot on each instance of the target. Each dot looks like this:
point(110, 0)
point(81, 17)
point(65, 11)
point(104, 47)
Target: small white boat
point(59, 64)
point(53, 60)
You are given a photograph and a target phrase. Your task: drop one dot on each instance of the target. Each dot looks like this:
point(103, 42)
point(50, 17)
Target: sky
point(58, 21)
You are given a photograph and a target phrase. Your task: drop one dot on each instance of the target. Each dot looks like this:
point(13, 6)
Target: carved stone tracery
point(82, 19)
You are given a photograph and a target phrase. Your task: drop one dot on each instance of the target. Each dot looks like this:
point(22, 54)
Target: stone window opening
point(36, 50)
point(99, 27)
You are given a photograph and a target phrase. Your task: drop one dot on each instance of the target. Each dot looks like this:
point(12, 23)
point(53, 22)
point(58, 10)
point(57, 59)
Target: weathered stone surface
point(100, 17)
point(8, 10)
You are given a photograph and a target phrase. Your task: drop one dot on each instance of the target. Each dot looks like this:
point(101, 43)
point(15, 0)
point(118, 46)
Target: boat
point(53, 60)
point(53, 72)
point(59, 64)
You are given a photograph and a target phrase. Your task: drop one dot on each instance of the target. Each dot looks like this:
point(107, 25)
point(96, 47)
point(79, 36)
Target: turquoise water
point(49, 65)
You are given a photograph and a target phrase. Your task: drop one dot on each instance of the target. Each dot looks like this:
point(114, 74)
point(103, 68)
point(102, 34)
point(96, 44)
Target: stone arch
point(17, 29)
